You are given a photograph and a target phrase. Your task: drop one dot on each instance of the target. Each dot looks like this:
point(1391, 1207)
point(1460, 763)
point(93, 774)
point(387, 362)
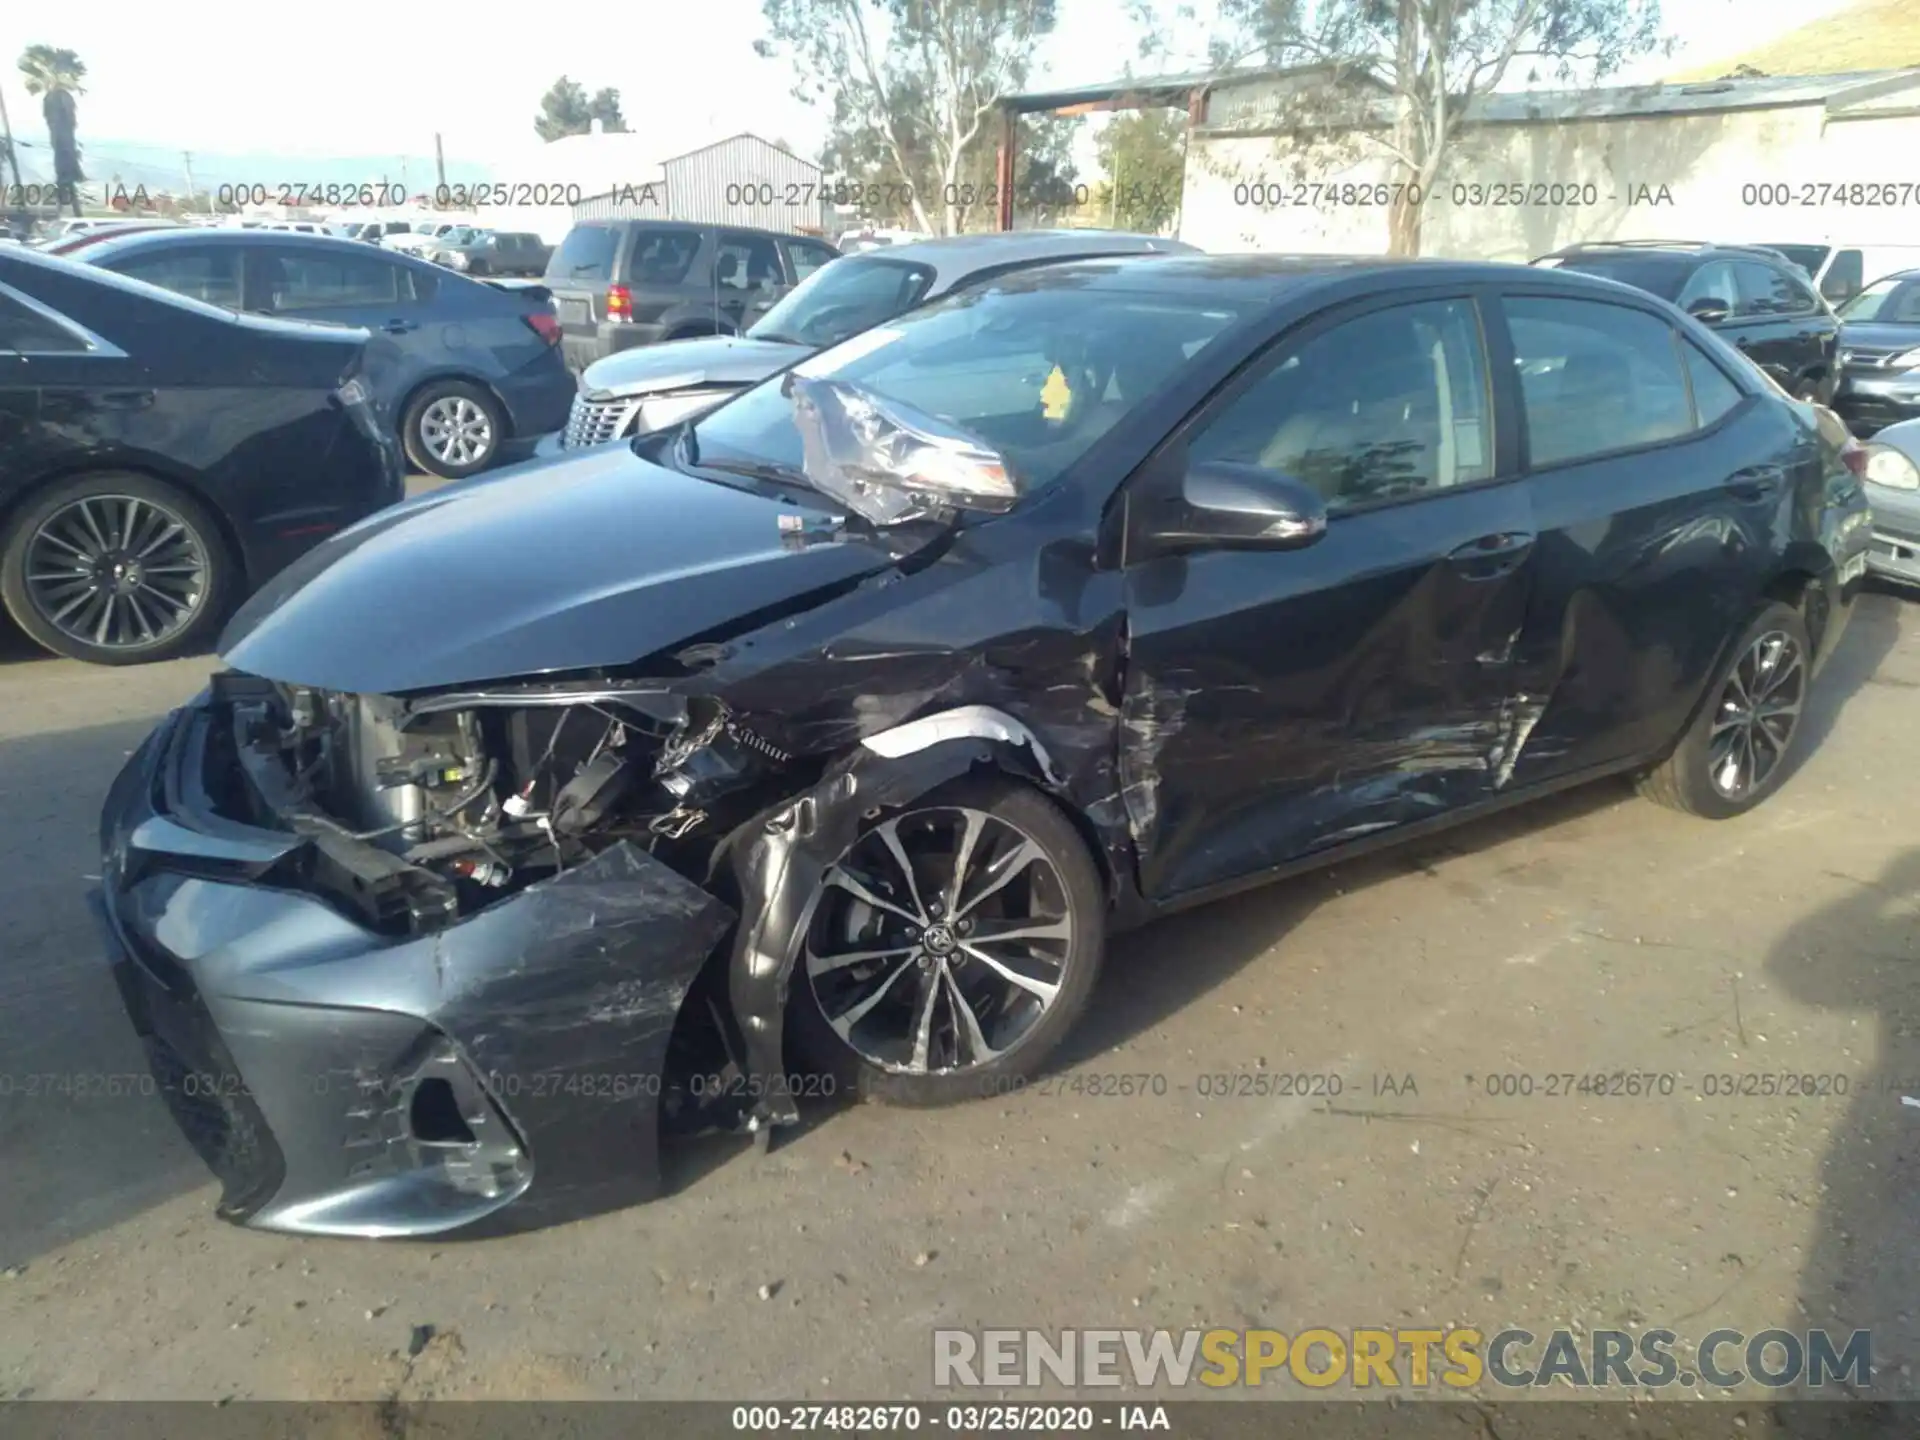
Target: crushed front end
point(403, 964)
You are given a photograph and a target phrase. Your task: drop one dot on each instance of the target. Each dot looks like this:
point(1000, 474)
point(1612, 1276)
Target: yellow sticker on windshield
point(1056, 395)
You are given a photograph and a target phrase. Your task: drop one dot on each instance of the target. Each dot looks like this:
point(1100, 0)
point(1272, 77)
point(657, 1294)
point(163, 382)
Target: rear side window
point(662, 257)
point(1594, 378)
point(1713, 393)
point(210, 274)
point(25, 331)
point(310, 280)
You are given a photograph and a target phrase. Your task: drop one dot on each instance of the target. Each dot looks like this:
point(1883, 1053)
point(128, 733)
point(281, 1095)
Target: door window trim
point(1171, 451)
point(97, 346)
point(1522, 292)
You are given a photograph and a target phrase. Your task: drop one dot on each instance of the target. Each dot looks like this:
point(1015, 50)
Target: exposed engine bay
point(436, 812)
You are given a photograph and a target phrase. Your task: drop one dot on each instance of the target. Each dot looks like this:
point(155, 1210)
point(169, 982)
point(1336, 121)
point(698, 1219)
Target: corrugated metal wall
point(740, 181)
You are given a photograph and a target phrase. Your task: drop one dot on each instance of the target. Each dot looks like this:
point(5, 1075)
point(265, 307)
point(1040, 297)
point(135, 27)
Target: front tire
point(452, 429)
point(951, 948)
point(1735, 753)
point(116, 569)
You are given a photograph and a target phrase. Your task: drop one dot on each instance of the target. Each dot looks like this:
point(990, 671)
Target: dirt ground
point(1589, 933)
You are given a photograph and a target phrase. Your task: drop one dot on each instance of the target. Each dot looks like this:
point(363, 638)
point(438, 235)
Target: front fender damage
point(781, 865)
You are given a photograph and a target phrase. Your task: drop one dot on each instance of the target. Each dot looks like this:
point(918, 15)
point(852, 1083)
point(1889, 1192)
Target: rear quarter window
point(661, 257)
point(586, 255)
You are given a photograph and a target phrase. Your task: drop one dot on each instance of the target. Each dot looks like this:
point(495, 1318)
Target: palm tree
point(55, 75)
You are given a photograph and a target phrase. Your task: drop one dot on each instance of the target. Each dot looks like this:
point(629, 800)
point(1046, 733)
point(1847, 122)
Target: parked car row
point(856, 712)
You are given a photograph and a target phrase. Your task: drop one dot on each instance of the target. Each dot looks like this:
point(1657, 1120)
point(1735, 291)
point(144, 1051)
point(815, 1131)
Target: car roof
point(223, 235)
point(1014, 247)
point(611, 221)
point(1265, 278)
point(1689, 249)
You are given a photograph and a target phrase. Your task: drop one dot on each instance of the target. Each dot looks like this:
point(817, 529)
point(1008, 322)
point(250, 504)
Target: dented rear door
point(1279, 703)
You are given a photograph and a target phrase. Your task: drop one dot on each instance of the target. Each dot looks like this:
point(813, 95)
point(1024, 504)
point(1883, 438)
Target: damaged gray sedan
point(816, 745)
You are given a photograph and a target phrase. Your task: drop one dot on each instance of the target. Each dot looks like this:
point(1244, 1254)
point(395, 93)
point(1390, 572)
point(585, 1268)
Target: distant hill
point(132, 164)
point(1868, 35)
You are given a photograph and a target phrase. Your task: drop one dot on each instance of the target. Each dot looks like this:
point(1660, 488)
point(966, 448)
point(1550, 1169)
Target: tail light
point(619, 303)
point(545, 325)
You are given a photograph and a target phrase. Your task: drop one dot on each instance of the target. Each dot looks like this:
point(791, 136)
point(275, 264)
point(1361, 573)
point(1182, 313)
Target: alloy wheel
point(118, 572)
point(456, 431)
point(1757, 713)
point(939, 941)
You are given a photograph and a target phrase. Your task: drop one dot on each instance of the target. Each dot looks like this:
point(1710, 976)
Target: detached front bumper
point(347, 1082)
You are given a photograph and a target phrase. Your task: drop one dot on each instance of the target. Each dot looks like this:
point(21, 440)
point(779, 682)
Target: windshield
point(1894, 301)
point(460, 235)
point(1656, 274)
point(842, 298)
point(1038, 373)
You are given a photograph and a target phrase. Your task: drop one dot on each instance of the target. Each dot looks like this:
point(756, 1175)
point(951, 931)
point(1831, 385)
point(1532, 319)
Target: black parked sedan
point(159, 457)
point(1755, 297)
point(470, 370)
point(857, 713)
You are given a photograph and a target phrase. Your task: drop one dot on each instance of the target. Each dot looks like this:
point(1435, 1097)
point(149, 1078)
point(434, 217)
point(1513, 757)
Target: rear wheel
point(116, 569)
point(1734, 755)
point(951, 948)
point(452, 429)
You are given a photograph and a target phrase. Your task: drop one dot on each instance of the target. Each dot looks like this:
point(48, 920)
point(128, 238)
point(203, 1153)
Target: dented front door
point(1279, 703)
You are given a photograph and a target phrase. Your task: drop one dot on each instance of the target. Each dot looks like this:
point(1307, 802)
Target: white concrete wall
point(1655, 177)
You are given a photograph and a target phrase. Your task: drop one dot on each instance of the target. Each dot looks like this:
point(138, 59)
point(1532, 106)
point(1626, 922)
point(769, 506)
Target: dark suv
point(1758, 299)
point(621, 283)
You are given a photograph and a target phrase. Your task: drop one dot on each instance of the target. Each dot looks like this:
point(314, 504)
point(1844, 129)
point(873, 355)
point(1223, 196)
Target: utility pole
point(186, 159)
point(439, 160)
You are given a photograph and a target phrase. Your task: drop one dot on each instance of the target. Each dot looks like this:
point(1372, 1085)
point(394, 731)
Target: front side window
point(1040, 374)
point(1767, 290)
point(25, 331)
point(1890, 302)
point(843, 299)
point(806, 257)
point(1712, 282)
point(747, 262)
point(211, 274)
point(1391, 404)
point(314, 280)
point(1594, 378)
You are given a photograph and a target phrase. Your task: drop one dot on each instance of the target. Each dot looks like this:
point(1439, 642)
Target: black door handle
point(1492, 556)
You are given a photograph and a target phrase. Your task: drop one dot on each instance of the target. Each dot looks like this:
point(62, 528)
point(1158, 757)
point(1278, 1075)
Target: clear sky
point(249, 76)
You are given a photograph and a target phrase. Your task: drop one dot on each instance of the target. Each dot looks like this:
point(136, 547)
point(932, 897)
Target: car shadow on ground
point(1861, 1271)
point(85, 1141)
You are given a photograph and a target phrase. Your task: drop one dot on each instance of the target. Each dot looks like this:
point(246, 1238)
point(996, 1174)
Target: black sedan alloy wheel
point(954, 941)
point(115, 569)
point(1759, 708)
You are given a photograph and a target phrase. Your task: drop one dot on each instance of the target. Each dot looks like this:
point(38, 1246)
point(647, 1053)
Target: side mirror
point(1708, 311)
point(1223, 505)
